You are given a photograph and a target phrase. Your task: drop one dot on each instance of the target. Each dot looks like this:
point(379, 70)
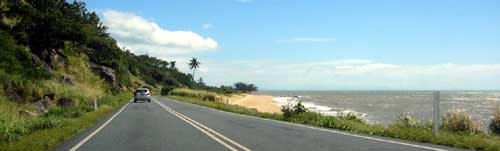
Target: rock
point(27, 113)
point(53, 57)
point(41, 104)
point(49, 95)
point(57, 58)
point(36, 60)
point(65, 102)
point(13, 93)
point(67, 80)
point(104, 72)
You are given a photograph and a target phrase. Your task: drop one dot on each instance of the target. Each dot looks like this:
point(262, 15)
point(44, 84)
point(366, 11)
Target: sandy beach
point(263, 103)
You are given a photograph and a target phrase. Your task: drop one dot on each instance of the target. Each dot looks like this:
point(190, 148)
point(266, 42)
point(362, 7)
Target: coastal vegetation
point(459, 121)
point(457, 129)
point(56, 57)
point(495, 122)
point(244, 87)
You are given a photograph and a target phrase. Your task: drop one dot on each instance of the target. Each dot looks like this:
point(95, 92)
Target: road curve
point(166, 124)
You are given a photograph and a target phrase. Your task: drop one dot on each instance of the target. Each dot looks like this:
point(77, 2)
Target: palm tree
point(172, 65)
point(194, 64)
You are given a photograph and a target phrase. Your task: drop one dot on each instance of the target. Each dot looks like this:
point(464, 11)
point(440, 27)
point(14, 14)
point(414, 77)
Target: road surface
point(166, 124)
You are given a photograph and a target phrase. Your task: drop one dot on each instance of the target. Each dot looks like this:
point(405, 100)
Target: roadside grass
point(49, 137)
point(21, 131)
point(404, 129)
point(200, 94)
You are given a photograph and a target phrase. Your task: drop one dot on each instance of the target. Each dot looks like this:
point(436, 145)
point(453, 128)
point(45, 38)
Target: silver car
point(142, 94)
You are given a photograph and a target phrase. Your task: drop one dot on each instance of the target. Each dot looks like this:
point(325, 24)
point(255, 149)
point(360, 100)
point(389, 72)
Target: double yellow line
point(226, 142)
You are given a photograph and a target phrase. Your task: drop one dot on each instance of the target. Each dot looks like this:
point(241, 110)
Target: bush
point(407, 121)
point(166, 90)
point(495, 122)
point(459, 121)
point(203, 95)
point(289, 111)
point(352, 117)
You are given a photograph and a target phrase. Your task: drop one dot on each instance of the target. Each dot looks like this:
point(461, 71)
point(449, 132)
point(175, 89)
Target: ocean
point(383, 107)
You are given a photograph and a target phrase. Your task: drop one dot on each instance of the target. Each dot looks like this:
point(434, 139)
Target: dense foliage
point(41, 26)
point(243, 87)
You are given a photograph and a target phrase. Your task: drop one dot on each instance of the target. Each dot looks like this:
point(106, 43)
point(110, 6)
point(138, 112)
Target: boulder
point(67, 80)
point(49, 95)
point(57, 58)
point(36, 60)
point(65, 102)
point(27, 113)
point(53, 57)
point(41, 104)
point(104, 72)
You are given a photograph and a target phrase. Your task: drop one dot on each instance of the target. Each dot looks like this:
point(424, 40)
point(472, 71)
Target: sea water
point(383, 107)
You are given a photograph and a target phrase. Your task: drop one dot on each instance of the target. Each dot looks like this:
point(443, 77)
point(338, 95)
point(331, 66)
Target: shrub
point(407, 121)
point(352, 117)
point(495, 122)
point(459, 121)
point(203, 95)
point(166, 90)
point(289, 111)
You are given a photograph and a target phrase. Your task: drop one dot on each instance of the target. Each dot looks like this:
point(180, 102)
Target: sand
point(263, 103)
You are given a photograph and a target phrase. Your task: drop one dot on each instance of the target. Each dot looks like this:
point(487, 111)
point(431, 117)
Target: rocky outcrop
point(65, 102)
point(36, 60)
point(104, 72)
point(41, 104)
point(53, 57)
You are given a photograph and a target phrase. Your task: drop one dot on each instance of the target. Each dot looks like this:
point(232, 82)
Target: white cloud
point(207, 26)
point(308, 40)
point(353, 75)
point(143, 36)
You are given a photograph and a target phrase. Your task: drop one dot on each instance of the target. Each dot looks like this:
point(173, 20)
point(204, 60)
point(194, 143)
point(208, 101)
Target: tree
point(194, 64)
point(172, 65)
point(243, 87)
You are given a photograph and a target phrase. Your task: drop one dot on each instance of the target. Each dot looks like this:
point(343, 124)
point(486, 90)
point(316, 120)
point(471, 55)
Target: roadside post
point(436, 113)
point(95, 104)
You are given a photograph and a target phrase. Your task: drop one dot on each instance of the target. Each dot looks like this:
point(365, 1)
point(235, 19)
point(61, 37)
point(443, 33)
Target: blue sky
point(319, 45)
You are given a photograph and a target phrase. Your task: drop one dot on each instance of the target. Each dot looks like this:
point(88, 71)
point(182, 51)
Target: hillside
point(55, 59)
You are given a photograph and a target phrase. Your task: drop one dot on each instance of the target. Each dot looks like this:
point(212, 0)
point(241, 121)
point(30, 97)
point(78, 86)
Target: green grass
point(403, 129)
point(50, 136)
point(200, 94)
point(46, 130)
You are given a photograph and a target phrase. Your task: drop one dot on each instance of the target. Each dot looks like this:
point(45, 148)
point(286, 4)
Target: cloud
point(308, 40)
point(353, 74)
point(207, 26)
point(143, 36)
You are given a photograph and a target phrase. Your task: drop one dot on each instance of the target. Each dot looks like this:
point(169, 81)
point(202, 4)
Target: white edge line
point(195, 126)
point(208, 129)
point(323, 129)
point(74, 148)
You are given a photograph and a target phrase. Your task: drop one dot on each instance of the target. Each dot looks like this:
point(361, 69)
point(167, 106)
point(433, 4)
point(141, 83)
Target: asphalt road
point(166, 124)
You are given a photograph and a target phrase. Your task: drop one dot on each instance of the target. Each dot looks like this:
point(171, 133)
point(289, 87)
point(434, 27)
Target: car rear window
point(141, 91)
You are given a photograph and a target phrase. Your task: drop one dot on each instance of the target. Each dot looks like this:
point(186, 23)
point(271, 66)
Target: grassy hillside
point(55, 59)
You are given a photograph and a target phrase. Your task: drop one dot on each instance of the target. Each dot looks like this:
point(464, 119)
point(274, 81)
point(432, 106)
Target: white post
point(436, 113)
point(95, 104)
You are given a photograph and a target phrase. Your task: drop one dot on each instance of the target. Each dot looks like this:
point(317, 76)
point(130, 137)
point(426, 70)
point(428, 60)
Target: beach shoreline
point(262, 103)
point(273, 104)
